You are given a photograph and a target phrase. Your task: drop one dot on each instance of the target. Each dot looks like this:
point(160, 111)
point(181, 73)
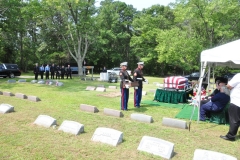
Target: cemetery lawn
point(21, 139)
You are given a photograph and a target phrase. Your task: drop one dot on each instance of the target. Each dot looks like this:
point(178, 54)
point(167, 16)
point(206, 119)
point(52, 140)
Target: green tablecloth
point(171, 96)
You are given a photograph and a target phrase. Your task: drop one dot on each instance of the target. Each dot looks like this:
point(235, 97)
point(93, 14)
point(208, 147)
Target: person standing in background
point(57, 72)
point(138, 77)
point(52, 70)
point(124, 86)
point(42, 71)
point(69, 72)
point(234, 108)
point(36, 71)
point(47, 69)
point(62, 72)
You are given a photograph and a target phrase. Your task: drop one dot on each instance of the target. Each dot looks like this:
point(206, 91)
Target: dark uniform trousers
point(234, 120)
point(137, 97)
point(124, 98)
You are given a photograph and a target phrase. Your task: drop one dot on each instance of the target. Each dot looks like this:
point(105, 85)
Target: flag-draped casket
point(175, 82)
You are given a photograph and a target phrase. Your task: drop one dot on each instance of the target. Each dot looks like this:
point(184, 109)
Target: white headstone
point(50, 83)
point(201, 154)
point(90, 88)
point(7, 93)
point(142, 117)
point(21, 95)
point(6, 108)
point(157, 147)
point(45, 121)
point(144, 93)
point(101, 89)
point(71, 127)
point(108, 136)
point(22, 80)
point(34, 81)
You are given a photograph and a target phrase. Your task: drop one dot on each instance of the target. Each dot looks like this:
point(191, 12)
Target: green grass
point(20, 139)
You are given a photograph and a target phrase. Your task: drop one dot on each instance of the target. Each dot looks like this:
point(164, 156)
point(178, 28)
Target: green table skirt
point(172, 96)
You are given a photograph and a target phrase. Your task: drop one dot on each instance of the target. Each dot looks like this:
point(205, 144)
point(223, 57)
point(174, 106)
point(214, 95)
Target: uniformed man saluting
point(138, 76)
point(124, 85)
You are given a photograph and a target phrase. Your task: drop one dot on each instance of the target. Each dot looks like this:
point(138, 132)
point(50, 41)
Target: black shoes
point(226, 138)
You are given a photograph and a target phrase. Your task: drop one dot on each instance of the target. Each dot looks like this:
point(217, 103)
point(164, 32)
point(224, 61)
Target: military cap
point(124, 64)
point(140, 63)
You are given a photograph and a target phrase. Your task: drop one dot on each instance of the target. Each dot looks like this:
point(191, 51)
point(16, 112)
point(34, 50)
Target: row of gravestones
point(21, 96)
point(41, 81)
point(114, 137)
point(101, 88)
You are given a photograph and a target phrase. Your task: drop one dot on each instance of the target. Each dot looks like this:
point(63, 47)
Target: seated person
point(219, 83)
point(216, 104)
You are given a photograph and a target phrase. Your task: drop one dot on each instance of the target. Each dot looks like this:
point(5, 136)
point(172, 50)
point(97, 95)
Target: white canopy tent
point(224, 55)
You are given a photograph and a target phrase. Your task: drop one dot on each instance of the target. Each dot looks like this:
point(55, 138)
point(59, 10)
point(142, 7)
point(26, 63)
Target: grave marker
point(21, 95)
point(152, 90)
point(34, 81)
point(201, 154)
point(6, 108)
point(108, 136)
point(11, 81)
point(157, 147)
point(90, 88)
point(41, 82)
point(112, 87)
point(59, 84)
point(112, 112)
point(144, 93)
point(101, 89)
point(34, 98)
point(141, 117)
point(71, 127)
point(88, 108)
point(174, 123)
point(22, 80)
point(45, 121)
point(7, 93)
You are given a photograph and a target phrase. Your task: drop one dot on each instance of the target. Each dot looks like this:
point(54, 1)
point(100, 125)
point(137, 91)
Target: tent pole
point(209, 72)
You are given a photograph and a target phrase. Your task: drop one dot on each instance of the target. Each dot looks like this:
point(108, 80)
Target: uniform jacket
point(124, 76)
point(220, 100)
point(139, 75)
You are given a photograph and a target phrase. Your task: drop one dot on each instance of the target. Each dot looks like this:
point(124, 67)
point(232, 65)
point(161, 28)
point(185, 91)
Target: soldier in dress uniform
point(124, 85)
point(69, 72)
point(36, 71)
point(138, 76)
point(62, 72)
point(42, 71)
point(47, 69)
point(57, 70)
point(52, 70)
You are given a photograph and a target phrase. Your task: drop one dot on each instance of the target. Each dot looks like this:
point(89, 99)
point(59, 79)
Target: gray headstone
point(157, 147)
point(88, 108)
point(22, 80)
point(108, 136)
point(112, 112)
point(6, 108)
point(174, 123)
point(41, 82)
point(112, 87)
point(11, 81)
point(90, 88)
point(7, 93)
point(144, 93)
point(34, 98)
point(101, 89)
point(201, 154)
point(59, 84)
point(50, 83)
point(21, 95)
point(71, 127)
point(34, 81)
point(141, 117)
point(1, 93)
point(45, 121)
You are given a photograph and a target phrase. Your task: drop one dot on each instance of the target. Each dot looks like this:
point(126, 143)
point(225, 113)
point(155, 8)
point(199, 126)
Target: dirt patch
point(111, 94)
